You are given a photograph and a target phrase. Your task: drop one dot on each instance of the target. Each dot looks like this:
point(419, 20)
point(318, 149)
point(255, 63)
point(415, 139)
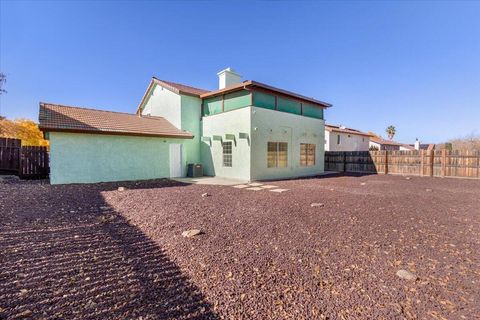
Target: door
point(176, 160)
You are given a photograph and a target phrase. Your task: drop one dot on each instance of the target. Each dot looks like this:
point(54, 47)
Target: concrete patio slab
point(212, 181)
point(255, 184)
point(241, 186)
point(255, 188)
point(268, 186)
point(278, 190)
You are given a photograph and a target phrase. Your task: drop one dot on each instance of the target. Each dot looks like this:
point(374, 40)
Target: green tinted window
point(263, 100)
point(212, 106)
point(310, 110)
point(237, 100)
point(287, 105)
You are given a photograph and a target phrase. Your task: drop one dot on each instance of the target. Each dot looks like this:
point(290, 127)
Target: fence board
point(34, 163)
point(25, 161)
point(440, 163)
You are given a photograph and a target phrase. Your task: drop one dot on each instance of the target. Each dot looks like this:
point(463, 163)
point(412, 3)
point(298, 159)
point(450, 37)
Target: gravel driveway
point(93, 252)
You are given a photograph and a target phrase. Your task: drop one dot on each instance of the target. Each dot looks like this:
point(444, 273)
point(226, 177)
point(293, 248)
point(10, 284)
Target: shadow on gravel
point(65, 254)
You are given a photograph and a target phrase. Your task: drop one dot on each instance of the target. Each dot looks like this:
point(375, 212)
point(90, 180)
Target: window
point(338, 139)
point(277, 154)
point(307, 154)
point(227, 153)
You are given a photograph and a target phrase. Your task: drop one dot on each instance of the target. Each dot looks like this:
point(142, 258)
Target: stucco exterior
point(89, 158)
point(249, 118)
point(348, 142)
point(274, 126)
point(216, 127)
point(253, 128)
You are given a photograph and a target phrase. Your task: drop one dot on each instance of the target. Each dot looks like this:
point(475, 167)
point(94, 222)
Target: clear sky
point(415, 65)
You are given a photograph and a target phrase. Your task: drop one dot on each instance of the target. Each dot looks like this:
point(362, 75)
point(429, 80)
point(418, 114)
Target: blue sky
point(415, 65)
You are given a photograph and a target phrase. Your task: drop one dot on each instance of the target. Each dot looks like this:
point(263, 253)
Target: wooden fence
point(440, 163)
point(24, 161)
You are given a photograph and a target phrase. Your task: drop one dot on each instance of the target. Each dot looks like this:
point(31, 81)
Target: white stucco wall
point(164, 103)
point(275, 126)
point(348, 142)
point(231, 122)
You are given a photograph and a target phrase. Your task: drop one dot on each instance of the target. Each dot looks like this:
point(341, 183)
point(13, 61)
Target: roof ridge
point(181, 84)
point(86, 108)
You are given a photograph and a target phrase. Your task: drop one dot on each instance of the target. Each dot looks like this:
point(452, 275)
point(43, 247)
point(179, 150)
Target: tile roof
point(180, 88)
point(55, 117)
point(331, 128)
point(383, 141)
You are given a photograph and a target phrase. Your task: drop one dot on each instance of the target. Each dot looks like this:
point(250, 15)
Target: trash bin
point(194, 170)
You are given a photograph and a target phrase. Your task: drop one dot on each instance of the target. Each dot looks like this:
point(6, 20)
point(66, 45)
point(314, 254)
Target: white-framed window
point(227, 153)
point(307, 154)
point(277, 154)
point(338, 139)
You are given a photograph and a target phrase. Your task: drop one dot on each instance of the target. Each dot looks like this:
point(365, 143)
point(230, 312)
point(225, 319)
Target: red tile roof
point(385, 142)
point(333, 128)
point(55, 117)
point(180, 88)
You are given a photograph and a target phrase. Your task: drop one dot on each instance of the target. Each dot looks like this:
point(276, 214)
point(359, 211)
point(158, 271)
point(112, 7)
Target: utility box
point(194, 170)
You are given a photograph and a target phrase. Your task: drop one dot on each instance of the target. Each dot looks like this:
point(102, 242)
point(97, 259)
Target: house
point(341, 138)
point(406, 147)
point(378, 143)
point(243, 130)
point(423, 146)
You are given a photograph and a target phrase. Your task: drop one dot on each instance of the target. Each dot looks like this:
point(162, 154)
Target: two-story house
point(244, 130)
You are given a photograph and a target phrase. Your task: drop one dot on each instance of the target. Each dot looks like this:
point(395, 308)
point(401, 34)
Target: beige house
point(341, 138)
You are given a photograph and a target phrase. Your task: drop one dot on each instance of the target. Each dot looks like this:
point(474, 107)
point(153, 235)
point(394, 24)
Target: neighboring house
point(340, 138)
point(244, 130)
point(406, 147)
point(382, 144)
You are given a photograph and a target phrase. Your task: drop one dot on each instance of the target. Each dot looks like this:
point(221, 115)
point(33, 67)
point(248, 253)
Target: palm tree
point(391, 132)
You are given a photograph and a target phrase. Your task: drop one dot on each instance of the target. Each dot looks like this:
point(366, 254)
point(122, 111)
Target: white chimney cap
point(228, 77)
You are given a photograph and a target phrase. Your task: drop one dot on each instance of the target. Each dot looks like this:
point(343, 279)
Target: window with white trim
point(227, 153)
point(307, 154)
point(277, 154)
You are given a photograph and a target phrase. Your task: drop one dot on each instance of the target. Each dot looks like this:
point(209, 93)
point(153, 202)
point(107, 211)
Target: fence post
point(432, 156)
point(422, 162)
point(344, 161)
point(444, 162)
point(386, 161)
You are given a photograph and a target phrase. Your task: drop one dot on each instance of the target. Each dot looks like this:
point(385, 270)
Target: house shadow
point(66, 254)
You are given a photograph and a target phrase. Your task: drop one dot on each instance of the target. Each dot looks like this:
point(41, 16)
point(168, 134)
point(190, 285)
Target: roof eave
point(149, 88)
point(251, 83)
point(117, 133)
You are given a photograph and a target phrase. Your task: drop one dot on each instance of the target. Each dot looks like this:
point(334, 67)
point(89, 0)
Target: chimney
point(227, 78)
point(417, 144)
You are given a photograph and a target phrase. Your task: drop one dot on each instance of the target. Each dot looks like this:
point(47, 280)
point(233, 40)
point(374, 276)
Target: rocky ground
point(372, 247)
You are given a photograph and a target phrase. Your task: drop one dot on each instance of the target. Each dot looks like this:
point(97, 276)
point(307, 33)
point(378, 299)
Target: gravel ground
point(91, 251)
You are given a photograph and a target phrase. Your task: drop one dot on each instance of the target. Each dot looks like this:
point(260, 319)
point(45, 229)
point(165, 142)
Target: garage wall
point(89, 158)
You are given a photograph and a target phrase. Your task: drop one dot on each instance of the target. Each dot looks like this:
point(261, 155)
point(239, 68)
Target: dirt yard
point(93, 252)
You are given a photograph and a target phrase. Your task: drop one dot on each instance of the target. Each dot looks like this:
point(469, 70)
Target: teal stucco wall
point(89, 158)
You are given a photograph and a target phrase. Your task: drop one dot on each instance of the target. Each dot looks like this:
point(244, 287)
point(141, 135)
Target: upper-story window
point(338, 139)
